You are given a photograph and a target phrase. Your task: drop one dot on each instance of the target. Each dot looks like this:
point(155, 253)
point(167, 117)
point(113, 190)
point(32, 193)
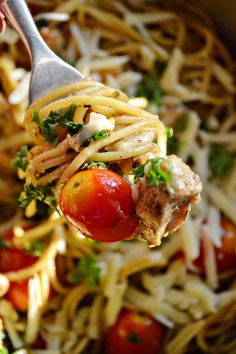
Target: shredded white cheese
point(212, 226)
point(190, 240)
point(170, 78)
point(53, 16)
point(188, 136)
point(97, 122)
point(222, 201)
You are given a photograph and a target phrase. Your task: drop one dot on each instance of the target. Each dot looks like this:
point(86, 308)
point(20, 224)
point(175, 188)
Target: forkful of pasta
point(96, 155)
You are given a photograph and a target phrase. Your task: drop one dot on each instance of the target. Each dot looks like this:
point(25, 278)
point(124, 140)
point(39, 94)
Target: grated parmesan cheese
point(212, 226)
point(97, 122)
point(222, 201)
point(170, 78)
point(53, 16)
point(209, 259)
point(190, 240)
point(188, 136)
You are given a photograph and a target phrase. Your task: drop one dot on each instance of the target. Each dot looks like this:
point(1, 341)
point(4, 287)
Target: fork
point(48, 70)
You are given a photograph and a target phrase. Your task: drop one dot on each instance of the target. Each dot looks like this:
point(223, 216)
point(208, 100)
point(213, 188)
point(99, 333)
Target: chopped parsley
point(4, 351)
point(157, 170)
point(94, 164)
point(150, 89)
point(134, 338)
point(169, 132)
point(20, 160)
point(36, 248)
point(46, 129)
point(100, 135)
point(97, 136)
point(41, 193)
point(138, 171)
point(56, 119)
point(221, 161)
point(87, 271)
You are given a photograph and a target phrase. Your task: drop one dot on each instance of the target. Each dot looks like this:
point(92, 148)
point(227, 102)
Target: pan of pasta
point(100, 252)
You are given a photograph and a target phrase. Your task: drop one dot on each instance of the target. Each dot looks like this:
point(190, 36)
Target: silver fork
point(48, 70)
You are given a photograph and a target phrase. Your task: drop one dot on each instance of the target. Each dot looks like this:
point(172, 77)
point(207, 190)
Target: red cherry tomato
point(99, 203)
point(226, 253)
point(18, 294)
point(134, 333)
point(13, 259)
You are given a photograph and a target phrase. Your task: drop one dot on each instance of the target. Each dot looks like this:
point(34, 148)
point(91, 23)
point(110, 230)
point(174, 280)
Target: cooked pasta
point(103, 102)
point(93, 125)
point(64, 293)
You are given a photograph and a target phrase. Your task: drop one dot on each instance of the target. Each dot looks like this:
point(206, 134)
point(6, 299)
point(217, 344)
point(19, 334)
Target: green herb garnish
point(134, 338)
point(87, 270)
point(100, 135)
point(41, 193)
point(57, 119)
point(4, 351)
point(36, 248)
point(157, 170)
point(169, 132)
point(20, 160)
point(221, 161)
point(46, 129)
point(138, 171)
point(150, 89)
point(94, 164)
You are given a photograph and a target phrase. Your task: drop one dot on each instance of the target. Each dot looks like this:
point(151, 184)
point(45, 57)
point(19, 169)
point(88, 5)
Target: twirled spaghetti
point(94, 97)
point(96, 123)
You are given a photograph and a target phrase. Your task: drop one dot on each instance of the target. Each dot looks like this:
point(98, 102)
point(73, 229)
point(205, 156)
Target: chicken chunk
point(163, 209)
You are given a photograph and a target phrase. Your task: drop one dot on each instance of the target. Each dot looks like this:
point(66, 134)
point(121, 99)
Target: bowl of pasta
point(91, 170)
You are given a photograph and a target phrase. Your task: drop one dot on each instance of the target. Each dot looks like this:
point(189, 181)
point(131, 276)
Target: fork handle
point(20, 17)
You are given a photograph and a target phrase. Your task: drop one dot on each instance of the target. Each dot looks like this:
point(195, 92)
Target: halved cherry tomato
point(18, 294)
point(226, 253)
point(13, 259)
point(99, 203)
point(134, 333)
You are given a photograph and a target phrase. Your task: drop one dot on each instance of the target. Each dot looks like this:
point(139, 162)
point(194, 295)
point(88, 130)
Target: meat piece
point(164, 208)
